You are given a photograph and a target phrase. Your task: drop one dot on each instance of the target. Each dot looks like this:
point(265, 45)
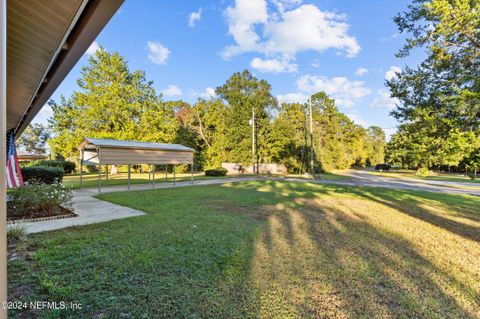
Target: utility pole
point(311, 134)
point(252, 122)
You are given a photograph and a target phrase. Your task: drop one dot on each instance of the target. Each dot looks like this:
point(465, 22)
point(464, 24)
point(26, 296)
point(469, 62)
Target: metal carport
point(98, 151)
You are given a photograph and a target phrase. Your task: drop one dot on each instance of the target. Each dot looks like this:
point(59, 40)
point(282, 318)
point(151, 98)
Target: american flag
point(14, 174)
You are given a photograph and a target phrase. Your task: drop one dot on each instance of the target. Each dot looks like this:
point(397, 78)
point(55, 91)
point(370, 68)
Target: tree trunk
point(114, 170)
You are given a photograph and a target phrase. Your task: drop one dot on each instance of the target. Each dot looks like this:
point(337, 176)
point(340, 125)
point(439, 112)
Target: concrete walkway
point(89, 210)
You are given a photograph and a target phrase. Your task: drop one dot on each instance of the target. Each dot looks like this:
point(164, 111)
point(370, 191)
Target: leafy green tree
point(375, 146)
point(112, 102)
point(337, 140)
point(472, 162)
point(441, 96)
point(206, 119)
point(244, 93)
point(34, 138)
point(289, 138)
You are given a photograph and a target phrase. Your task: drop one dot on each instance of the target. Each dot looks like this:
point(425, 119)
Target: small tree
point(34, 138)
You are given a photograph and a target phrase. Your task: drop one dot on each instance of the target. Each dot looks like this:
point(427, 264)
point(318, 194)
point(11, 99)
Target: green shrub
point(91, 168)
point(40, 199)
point(473, 176)
point(423, 172)
point(382, 167)
point(67, 166)
point(42, 174)
point(219, 171)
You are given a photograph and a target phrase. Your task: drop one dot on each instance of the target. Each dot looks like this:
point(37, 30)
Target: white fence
point(273, 168)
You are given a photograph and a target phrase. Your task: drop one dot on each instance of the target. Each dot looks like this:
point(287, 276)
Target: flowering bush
point(33, 200)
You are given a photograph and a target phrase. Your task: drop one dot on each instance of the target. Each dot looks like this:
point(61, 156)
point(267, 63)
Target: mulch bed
point(16, 216)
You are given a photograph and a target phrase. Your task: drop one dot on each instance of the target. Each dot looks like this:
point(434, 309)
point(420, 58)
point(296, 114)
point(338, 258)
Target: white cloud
point(358, 120)
point(292, 28)
point(392, 72)
point(361, 71)
point(383, 100)
point(194, 17)
point(389, 132)
point(94, 47)
point(172, 91)
point(209, 93)
point(309, 28)
point(158, 54)
point(273, 65)
point(242, 19)
point(343, 90)
point(391, 37)
point(293, 98)
point(282, 5)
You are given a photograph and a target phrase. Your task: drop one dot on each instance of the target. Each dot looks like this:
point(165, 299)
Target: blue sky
point(188, 48)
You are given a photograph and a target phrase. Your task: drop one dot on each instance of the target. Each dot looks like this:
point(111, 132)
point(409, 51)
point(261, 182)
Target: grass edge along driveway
point(263, 249)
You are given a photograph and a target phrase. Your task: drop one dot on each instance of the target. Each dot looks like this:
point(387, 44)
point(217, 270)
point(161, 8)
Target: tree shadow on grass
point(418, 204)
point(321, 258)
point(292, 253)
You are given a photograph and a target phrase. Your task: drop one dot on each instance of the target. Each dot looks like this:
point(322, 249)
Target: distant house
point(25, 156)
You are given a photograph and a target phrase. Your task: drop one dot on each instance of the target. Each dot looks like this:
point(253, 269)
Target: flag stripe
point(14, 173)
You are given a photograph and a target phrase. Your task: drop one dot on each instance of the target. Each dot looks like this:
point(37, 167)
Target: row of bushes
point(67, 166)
point(46, 171)
point(219, 171)
point(383, 167)
point(42, 174)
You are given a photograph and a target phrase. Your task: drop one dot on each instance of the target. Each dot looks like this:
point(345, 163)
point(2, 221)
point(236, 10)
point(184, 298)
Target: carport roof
point(101, 142)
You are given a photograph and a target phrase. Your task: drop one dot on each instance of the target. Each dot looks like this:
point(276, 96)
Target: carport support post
point(153, 175)
point(174, 172)
point(99, 175)
point(166, 172)
point(106, 174)
point(192, 172)
point(129, 169)
point(3, 156)
point(82, 154)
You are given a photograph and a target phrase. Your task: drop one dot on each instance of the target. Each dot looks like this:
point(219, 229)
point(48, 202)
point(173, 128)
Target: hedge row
point(42, 174)
point(382, 167)
point(219, 171)
point(67, 166)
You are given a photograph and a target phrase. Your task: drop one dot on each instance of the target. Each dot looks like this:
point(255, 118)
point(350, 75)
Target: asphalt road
point(364, 178)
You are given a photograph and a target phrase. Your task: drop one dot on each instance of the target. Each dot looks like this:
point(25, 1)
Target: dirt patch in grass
point(226, 207)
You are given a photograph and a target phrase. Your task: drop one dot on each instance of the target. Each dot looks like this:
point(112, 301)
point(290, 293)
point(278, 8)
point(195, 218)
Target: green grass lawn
point(90, 180)
point(263, 249)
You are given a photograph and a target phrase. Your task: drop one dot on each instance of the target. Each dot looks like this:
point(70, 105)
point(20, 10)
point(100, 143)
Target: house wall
point(3, 155)
point(135, 156)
